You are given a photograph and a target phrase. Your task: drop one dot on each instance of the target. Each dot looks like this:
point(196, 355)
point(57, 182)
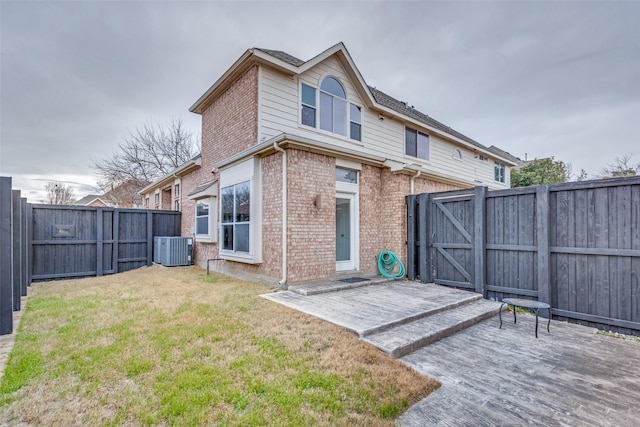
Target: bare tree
point(59, 194)
point(621, 166)
point(149, 153)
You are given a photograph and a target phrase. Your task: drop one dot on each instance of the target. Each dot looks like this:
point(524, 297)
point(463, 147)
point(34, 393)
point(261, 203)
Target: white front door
point(346, 232)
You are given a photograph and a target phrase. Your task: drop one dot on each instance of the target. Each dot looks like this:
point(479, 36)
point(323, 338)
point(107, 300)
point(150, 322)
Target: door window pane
point(346, 175)
point(343, 229)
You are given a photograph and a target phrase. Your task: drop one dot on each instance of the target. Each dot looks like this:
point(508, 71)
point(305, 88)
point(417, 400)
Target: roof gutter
point(305, 143)
point(277, 147)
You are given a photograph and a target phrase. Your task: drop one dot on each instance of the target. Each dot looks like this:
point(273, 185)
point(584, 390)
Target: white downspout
point(413, 179)
point(284, 214)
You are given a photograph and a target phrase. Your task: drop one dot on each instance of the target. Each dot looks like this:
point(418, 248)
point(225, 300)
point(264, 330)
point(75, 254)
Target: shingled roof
point(402, 108)
point(283, 56)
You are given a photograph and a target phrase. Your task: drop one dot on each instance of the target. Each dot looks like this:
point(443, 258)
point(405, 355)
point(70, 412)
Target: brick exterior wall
point(229, 126)
point(311, 233)
point(373, 217)
point(272, 216)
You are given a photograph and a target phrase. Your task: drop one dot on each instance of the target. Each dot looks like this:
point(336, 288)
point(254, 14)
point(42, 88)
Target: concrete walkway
point(7, 341)
point(490, 376)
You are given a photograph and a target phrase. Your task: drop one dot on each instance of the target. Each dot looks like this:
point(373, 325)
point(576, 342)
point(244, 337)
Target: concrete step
point(461, 300)
point(335, 285)
point(404, 339)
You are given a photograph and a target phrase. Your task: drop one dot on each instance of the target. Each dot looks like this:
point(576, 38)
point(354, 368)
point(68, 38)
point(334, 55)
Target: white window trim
point(212, 236)
point(211, 194)
point(249, 170)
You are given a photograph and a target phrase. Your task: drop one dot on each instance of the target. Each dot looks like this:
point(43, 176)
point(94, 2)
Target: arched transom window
point(336, 114)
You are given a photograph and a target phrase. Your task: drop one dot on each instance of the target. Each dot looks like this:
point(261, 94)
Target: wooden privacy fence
point(575, 246)
point(73, 241)
point(43, 242)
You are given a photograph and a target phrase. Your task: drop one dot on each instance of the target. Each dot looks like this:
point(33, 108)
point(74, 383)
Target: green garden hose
point(387, 262)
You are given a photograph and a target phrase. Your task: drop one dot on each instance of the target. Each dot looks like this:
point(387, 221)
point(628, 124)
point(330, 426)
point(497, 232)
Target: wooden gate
point(444, 232)
point(451, 241)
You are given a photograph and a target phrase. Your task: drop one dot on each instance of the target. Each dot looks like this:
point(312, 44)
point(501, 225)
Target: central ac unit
point(172, 251)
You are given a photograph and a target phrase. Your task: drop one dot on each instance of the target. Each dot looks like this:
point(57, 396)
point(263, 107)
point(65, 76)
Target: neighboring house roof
point(91, 200)
point(196, 161)
point(373, 97)
point(87, 199)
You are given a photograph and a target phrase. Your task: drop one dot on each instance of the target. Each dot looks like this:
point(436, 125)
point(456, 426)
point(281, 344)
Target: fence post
point(6, 261)
point(16, 235)
point(149, 238)
point(29, 243)
point(479, 238)
point(115, 223)
point(410, 202)
point(423, 235)
point(427, 275)
point(543, 233)
point(23, 246)
point(99, 241)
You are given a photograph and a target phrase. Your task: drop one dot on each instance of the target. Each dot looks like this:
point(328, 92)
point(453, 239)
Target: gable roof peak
point(283, 56)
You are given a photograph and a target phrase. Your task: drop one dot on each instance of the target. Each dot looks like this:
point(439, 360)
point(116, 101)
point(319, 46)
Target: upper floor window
point(308, 106)
point(146, 202)
point(157, 198)
point(355, 129)
point(457, 154)
point(176, 190)
point(499, 172)
point(416, 144)
point(334, 110)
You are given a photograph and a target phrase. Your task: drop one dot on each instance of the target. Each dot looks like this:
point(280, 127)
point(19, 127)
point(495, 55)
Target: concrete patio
point(490, 376)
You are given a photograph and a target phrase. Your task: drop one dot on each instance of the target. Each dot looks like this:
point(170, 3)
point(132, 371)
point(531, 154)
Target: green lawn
point(173, 346)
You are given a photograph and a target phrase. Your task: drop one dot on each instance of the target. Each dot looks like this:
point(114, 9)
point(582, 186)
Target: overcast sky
point(543, 78)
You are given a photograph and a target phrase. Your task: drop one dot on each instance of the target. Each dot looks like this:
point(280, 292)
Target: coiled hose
point(387, 262)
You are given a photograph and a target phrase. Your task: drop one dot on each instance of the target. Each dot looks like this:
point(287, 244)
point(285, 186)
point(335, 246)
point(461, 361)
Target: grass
point(159, 346)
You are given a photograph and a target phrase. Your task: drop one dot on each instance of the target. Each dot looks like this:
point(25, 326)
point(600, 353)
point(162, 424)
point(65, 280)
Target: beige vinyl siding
point(280, 109)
